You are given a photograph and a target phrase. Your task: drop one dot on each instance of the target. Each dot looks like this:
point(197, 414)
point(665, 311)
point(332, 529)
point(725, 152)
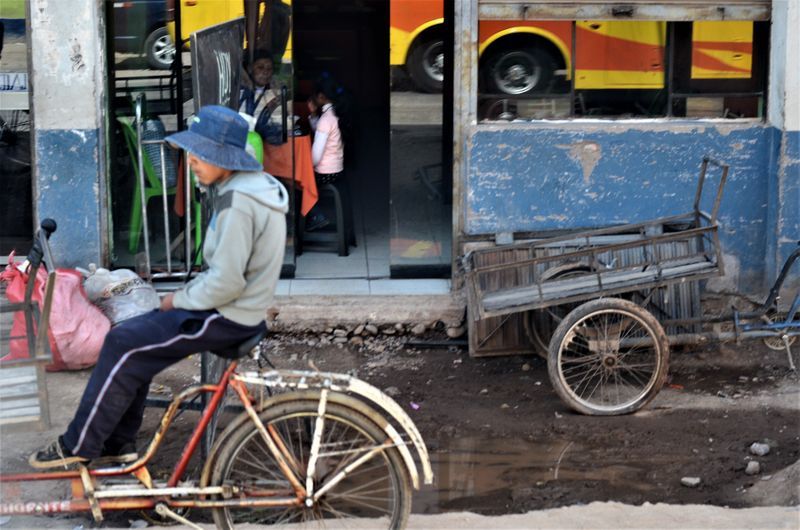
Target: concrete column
point(784, 116)
point(68, 72)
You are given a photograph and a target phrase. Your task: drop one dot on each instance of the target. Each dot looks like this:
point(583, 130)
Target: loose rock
point(419, 329)
point(339, 333)
point(356, 340)
point(392, 391)
point(484, 391)
point(399, 327)
point(456, 332)
point(359, 329)
point(690, 482)
point(388, 331)
point(759, 449)
point(753, 468)
point(526, 367)
point(340, 340)
point(371, 329)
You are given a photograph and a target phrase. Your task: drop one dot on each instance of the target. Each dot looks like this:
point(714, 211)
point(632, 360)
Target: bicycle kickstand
point(789, 352)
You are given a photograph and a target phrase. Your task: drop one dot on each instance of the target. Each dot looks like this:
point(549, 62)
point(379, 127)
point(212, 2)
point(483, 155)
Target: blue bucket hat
point(217, 135)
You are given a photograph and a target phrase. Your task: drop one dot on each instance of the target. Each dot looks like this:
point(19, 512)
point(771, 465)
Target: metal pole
point(188, 212)
point(167, 239)
point(142, 196)
point(178, 64)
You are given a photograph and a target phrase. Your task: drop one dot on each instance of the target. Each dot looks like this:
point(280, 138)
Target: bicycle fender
point(342, 386)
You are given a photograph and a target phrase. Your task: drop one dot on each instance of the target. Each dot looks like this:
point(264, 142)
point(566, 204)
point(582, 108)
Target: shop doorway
point(397, 163)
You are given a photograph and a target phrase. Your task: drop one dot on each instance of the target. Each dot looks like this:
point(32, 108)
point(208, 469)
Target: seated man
point(218, 310)
point(261, 101)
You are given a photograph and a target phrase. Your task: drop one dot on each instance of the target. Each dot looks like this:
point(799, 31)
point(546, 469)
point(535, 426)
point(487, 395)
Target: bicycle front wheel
point(376, 493)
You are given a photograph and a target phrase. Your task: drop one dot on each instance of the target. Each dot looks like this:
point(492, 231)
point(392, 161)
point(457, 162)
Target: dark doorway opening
point(349, 41)
point(403, 230)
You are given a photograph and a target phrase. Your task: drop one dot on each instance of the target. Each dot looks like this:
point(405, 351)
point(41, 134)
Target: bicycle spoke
point(365, 504)
point(367, 491)
point(357, 489)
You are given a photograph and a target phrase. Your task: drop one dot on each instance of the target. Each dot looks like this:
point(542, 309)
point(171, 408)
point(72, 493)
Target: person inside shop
point(328, 118)
point(218, 310)
point(259, 99)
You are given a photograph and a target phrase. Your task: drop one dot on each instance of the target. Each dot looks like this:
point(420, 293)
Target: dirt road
point(502, 443)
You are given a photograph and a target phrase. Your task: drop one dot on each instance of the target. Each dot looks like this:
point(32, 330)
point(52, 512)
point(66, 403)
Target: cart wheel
point(608, 357)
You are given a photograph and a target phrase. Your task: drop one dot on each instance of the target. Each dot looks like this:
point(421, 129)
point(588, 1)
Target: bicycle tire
point(581, 352)
point(292, 420)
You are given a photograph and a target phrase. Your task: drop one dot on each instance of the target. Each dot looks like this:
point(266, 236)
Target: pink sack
point(77, 328)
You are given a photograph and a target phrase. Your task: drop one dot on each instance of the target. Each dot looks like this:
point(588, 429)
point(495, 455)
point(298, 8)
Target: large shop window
point(551, 69)
point(16, 199)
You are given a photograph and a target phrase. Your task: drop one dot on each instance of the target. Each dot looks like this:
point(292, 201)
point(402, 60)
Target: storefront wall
point(783, 230)
point(512, 178)
point(587, 173)
point(68, 80)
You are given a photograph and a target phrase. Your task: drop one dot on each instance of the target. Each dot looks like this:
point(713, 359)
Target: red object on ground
point(77, 328)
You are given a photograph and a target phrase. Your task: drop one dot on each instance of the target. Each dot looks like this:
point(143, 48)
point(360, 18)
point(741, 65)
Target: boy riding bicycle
point(218, 310)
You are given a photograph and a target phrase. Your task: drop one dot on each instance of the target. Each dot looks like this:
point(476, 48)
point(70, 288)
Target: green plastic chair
point(153, 188)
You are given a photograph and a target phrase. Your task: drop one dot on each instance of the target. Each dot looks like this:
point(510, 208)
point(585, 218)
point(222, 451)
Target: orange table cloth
point(278, 163)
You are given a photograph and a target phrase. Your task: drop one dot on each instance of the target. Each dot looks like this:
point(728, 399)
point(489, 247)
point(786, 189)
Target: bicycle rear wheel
point(378, 491)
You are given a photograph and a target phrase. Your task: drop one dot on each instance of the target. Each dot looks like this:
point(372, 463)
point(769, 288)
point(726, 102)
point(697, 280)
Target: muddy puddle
point(470, 469)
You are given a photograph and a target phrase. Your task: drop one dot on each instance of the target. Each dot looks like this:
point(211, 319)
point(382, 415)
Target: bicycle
point(328, 446)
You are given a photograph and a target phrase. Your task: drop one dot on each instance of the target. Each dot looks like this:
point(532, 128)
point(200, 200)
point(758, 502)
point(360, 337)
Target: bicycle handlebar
point(40, 248)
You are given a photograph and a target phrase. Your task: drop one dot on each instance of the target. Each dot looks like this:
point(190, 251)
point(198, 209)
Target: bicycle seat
point(243, 348)
point(247, 346)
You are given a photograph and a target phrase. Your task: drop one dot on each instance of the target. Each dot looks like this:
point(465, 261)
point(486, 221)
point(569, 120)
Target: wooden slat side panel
point(498, 336)
point(503, 335)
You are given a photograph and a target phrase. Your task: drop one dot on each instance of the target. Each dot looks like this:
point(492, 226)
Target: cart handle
point(718, 199)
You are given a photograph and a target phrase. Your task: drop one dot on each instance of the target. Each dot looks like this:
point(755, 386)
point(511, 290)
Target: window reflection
point(16, 204)
point(626, 69)
point(421, 185)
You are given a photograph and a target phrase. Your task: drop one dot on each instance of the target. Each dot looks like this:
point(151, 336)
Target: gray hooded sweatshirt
point(244, 246)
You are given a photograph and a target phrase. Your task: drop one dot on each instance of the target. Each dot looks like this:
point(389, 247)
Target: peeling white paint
point(784, 74)
point(67, 63)
point(587, 154)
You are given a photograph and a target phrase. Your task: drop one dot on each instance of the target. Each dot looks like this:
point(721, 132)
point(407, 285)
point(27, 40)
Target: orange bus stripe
point(702, 60)
point(601, 52)
point(408, 15)
point(743, 47)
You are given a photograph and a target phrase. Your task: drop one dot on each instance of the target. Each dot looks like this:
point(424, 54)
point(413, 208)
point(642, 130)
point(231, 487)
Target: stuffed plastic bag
point(76, 329)
point(120, 294)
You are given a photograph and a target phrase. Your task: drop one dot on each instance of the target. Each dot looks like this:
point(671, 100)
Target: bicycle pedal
point(164, 511)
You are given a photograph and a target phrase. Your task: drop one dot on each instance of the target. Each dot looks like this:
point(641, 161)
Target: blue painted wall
point(784, 218)
point(579, 175)
point(67, 190)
